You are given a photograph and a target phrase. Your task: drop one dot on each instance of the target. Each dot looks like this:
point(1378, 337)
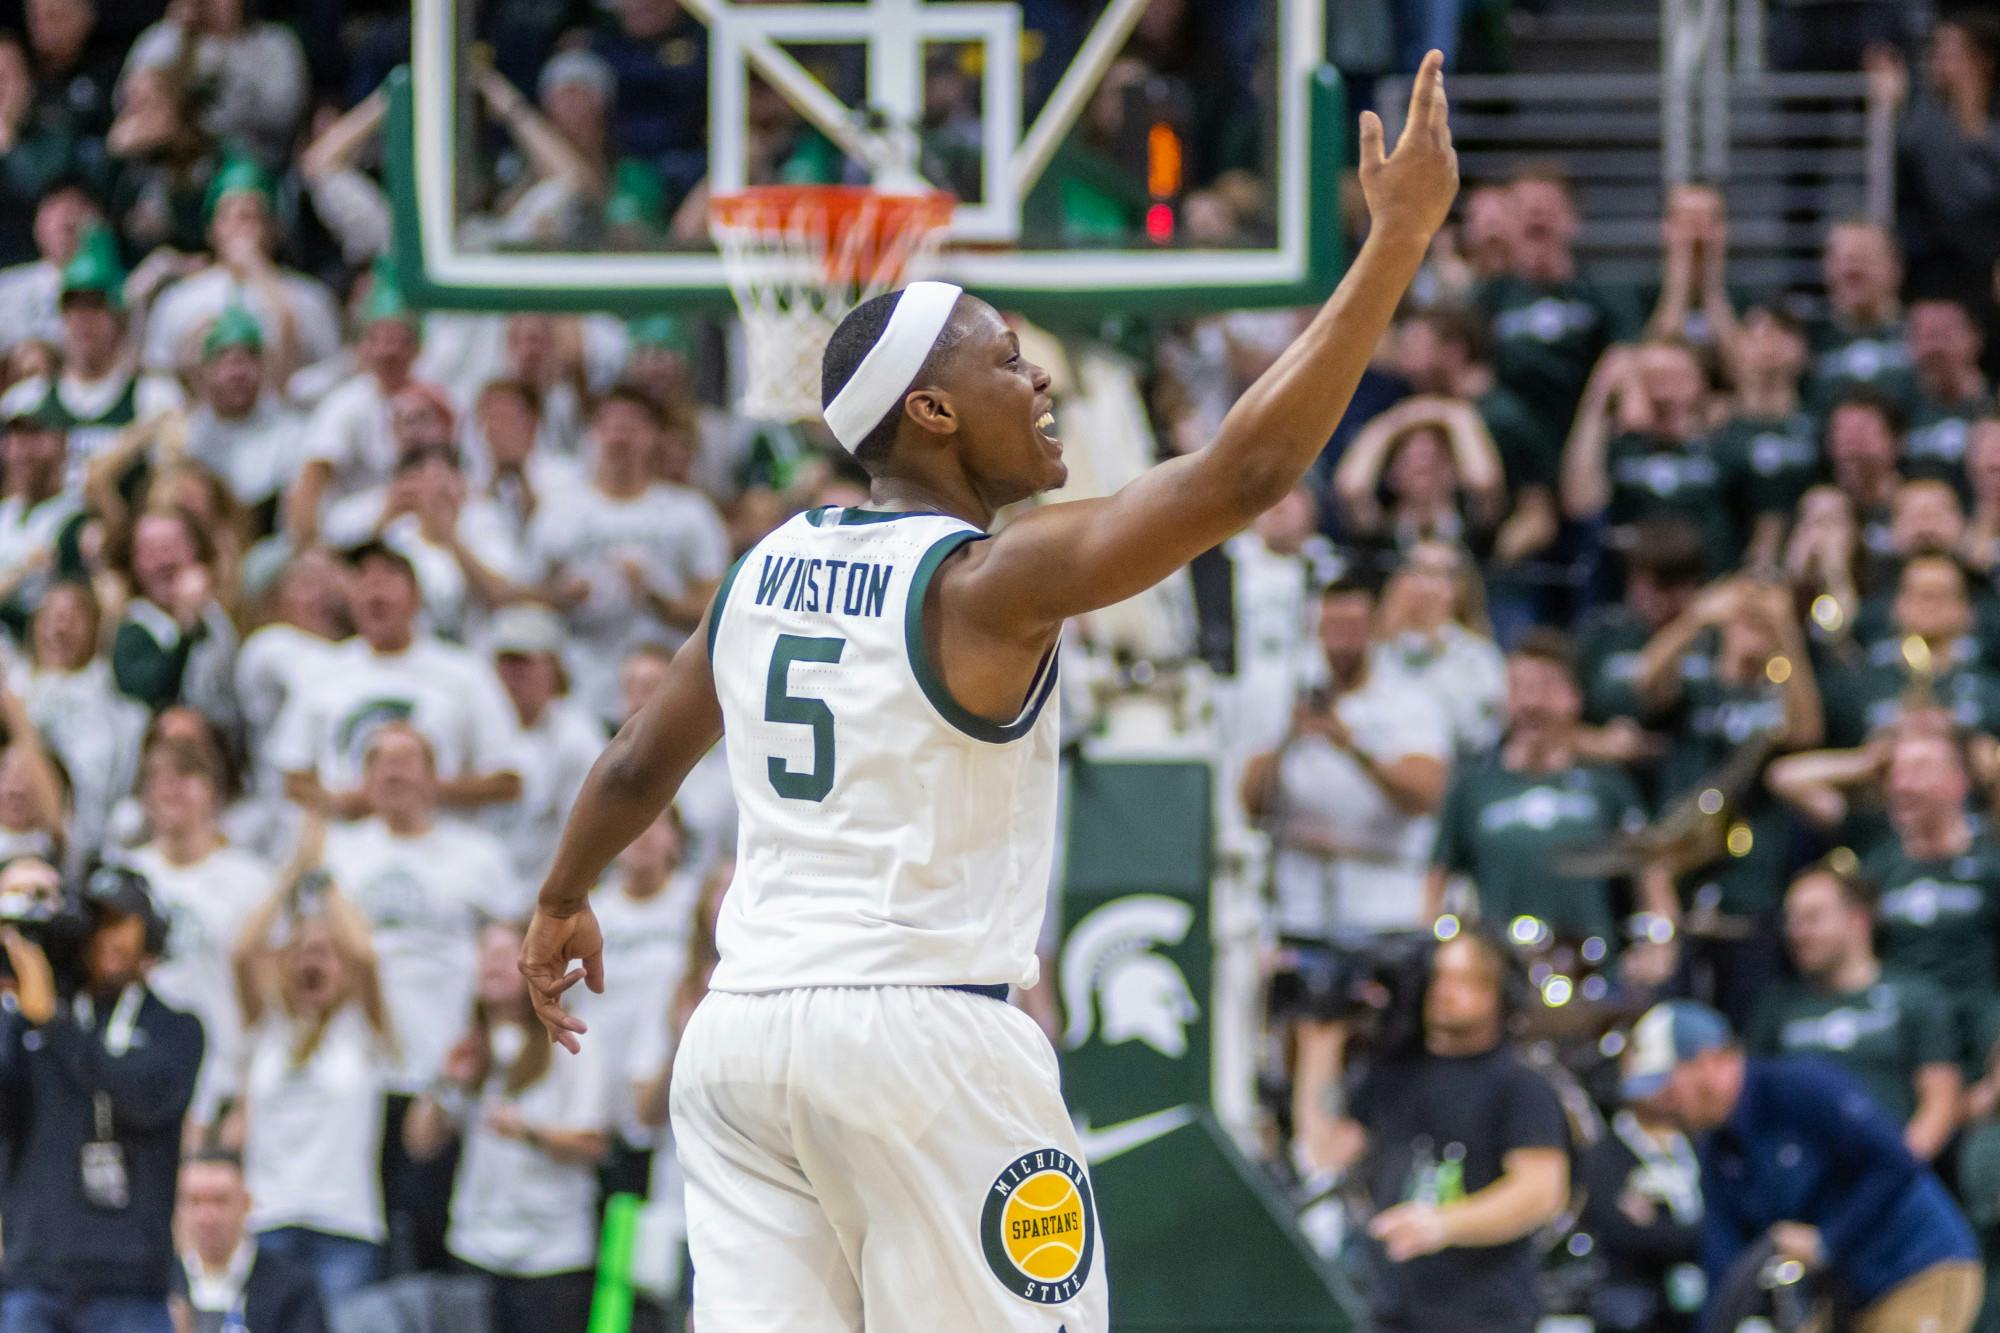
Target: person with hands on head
point(951, 423)
point(1437, 462)
point(1694, 290)
point(1795, 1149)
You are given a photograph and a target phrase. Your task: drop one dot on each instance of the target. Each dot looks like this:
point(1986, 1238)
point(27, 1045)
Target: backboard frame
point(1050, 285)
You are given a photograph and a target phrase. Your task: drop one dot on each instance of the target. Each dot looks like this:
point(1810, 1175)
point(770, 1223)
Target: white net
point(799, 259)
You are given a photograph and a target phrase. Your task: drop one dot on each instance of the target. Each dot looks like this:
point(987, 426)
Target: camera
point(31, 896)
point(1374, 981)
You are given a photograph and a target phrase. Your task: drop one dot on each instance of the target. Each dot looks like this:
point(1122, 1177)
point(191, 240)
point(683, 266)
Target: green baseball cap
point(664, 331)
point(385, 297)
point(638, 196)
point(238, 175)
point(96, 268)
point(234, 327)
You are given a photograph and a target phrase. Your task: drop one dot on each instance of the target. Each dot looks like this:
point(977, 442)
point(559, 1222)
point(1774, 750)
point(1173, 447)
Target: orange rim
point(865, 235)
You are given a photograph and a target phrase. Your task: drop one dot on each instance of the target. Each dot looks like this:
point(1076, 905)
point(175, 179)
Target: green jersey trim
point(721, 599)
point(932, 684)
point(848, 516)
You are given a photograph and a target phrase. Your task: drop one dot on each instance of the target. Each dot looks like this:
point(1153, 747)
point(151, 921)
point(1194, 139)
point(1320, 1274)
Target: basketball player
point(872, 1138)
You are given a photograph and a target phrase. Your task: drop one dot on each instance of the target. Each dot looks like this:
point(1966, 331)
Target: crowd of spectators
point(1649, 631)
point(1653, 630)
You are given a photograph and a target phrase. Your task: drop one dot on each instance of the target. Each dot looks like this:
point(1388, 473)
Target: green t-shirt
point(1882, 1034)
point(1651, 477)
point(1608, 646)
point(1530, 453)
point(1844, 357)
point(1548, 337)
point(1861, 698)
point(1939, 432)
point(1504, 830)
point(1941, 918)
point(1712, 720)
point(1770, 463)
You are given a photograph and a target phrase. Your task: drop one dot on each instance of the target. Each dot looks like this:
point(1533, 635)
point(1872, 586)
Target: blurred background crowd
point(1651, 629)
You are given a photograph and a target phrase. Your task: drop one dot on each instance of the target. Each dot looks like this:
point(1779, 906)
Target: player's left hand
point(552, 943)
point(1411, 1231)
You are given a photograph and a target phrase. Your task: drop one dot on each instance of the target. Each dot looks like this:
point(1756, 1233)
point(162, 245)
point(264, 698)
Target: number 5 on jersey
point(781, 705)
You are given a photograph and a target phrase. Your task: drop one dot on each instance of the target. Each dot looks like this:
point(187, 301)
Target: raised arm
point(632, 781)
point(1066, 559)
point(1816, 783)
point(1658, 675)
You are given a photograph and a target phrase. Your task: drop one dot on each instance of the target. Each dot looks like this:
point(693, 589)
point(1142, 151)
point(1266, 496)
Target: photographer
point(1465, 1153)
point(1348, 798)
point(95, 1086)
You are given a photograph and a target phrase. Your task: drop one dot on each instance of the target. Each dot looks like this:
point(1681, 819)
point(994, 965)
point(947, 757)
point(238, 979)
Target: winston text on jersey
point(800, 583)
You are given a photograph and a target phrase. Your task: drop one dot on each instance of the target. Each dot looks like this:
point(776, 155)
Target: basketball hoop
point(799, 258)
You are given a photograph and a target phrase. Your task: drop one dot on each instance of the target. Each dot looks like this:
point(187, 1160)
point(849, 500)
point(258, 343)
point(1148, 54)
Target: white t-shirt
point(551, 479)
point(26, 529)
point(673, 532)
point(189, 304)
point(556, 755)
point(29, 294)
point(312, 1150)
point(350, 430)
point(1376, 879)
point(645, 955)
point(707, 804)
point(1461, 672)
point(96, 731)
point(272, 667)
point(1276, 652)
point(516, 1210)
point(450, 695)
point(425, 898)
point(257, 456)
point(484, 527)
point(205, 905)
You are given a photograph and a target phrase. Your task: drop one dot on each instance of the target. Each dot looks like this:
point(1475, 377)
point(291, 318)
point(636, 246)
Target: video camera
point(31, 897)
point(1374, 982)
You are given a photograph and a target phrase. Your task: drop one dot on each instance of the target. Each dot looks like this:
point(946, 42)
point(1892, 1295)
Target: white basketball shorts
point(894, 1159)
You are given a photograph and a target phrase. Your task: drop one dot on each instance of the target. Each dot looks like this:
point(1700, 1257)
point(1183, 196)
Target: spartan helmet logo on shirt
point(1109, 969)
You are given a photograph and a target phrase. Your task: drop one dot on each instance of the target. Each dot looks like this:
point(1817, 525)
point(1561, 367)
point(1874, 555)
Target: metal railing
point(1694, 89)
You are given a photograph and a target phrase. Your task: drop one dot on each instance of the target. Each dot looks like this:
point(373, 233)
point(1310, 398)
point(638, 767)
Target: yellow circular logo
point(1038, 1228)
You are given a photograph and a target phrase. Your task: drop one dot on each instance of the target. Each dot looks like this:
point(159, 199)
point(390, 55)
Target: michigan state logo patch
point(1039, 1227)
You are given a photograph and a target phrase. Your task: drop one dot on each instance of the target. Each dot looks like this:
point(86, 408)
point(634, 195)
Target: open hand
point(1410, 191)
point(552, 943)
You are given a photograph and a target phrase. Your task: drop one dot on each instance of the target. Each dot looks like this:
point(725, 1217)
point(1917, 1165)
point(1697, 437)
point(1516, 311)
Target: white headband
point(884, 375)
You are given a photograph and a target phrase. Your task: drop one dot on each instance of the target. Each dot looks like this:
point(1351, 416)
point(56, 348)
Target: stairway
point(1596, 36)
point(1586, 92)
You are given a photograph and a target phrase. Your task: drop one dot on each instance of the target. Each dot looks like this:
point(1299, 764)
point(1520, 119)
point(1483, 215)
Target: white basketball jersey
point(887, 836)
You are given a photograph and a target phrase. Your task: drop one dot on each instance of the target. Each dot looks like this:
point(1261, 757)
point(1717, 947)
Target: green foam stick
point(611, 1303)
